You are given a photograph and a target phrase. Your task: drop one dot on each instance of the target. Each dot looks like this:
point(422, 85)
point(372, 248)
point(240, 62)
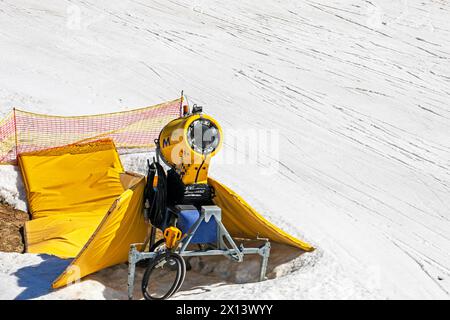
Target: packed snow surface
point(356, 92)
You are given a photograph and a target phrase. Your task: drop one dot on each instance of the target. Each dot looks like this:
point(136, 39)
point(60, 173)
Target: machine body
point(187, 144)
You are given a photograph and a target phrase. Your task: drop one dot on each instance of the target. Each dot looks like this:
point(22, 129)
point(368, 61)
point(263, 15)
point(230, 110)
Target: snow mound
point(12, 190)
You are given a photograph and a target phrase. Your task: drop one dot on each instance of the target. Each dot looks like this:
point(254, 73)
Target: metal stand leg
point(131, 270)
point(265, 253)
point(191, 233)
point(236, 253)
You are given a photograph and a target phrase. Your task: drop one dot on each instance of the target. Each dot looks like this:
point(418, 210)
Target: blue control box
point(187, 216)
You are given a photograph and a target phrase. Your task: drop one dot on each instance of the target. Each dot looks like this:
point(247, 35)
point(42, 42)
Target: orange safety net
point(23, 131)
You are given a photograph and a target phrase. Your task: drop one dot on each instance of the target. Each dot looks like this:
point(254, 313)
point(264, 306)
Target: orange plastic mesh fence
point(23, 131)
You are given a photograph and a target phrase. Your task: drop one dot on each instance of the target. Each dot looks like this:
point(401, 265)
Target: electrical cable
point(164, 263)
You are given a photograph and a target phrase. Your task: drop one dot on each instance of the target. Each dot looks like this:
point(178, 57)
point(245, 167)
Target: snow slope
point(357, 91)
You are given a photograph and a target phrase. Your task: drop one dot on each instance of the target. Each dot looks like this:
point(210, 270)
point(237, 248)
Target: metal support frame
point(235, 253)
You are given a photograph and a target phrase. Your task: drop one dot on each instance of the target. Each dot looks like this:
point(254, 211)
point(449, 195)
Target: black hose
point(173, 261)
point(156, 197)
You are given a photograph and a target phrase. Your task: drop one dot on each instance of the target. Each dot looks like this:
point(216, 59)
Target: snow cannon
point(188, 143)
point(197, 215)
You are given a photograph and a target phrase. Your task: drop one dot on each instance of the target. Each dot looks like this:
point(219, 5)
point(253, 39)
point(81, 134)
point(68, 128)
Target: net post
point(15, 134)
point(181, 104)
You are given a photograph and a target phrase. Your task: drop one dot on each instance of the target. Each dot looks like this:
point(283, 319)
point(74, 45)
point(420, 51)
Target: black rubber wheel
point(164, 276)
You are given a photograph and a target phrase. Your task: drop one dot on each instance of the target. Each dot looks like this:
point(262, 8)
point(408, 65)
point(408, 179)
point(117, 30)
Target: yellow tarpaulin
point(241, 220)
point(110, 243)
point(83, 205)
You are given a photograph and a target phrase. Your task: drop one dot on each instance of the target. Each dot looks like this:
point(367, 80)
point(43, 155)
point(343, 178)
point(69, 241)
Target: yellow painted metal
point(175, 149)
point(172, 235)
